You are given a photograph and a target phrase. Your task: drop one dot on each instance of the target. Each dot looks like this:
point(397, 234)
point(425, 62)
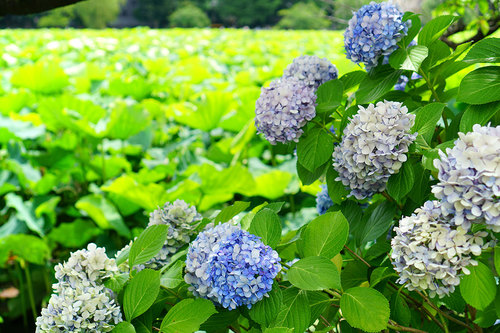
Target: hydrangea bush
point(404, 156)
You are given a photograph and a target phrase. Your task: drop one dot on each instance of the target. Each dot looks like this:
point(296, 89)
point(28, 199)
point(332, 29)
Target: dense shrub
point(303, 15)
point(189, 16)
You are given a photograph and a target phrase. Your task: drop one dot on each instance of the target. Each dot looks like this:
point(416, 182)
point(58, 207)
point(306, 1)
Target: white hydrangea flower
point(430, 254)
point(89, 266)
point(311, 70)
point(80, 302)
point(79, 309)
point(373, 147)
point(469, 178)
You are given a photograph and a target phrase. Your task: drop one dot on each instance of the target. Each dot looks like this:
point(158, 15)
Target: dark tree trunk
point(25, 7)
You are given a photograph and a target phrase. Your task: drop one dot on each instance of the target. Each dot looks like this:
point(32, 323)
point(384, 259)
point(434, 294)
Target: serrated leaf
point(336, 190)
point(187, 315)
point(117, 282)
point(379, 222)
point(325, 235)
point(124, 327)
point(229, 212)
point(314, 148)
point(267, 225)
point(141, 293)
point(329, 96)
point(480, 86)
point(410, 58)
point(295, 312)
point(266, 310)
point(426, 119)
point(435, 28)
point(401, 183)
point(307, 177)
point(479, 287)
point(352, 79)
point(486, 50)
point(373, 88)
point(478, 114)
point(172, 277)
point(365, 308)
point(314, 273)
point(400, 311)
point(148, 244)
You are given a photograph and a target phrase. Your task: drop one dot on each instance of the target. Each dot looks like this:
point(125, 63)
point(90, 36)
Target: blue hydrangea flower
point(230, 266)
point(283, 109)
point(323, 200)
point(373, 147)
point(430, 254)
point(401, 84)
point(311, 70)
point(373, 31)
point(469, 179)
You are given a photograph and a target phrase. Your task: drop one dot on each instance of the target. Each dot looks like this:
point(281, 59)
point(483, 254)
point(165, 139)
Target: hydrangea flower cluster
point(373, 147)
point(311, 70)
point(430, 254)
point(181, 220)
point(323, 200)
point(403, 81)
point(469, 179)
point(81, 302)
point(283, 109)
point(230, 266)
point(373, 31)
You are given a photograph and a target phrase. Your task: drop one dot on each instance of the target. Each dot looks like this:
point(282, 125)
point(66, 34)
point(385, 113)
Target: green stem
point(443, 322)
point(357, 256)
point(400, 328)
point(429, 84)
point(171, 291)
point(336, 137)
point(21, 288)
point(30, 289)
point(333, 293)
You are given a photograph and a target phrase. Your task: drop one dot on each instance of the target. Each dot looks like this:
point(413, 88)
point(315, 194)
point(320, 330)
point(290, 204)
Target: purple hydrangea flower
point(373, 147)
point(283, 109)
point(230, 266)
point(373, 31)
point(323, 200)
point(469, 179)
point(430, 254)
point(311, 70)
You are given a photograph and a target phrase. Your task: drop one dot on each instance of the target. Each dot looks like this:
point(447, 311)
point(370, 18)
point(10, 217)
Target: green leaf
point(265, 311)
point(379, 274)
point(278, 330)
point(117, 282)
point(267, 225)
point(479, 287)
point(478, 114)
point(231, 211)
point(379, 222)
point(376, 86)
point(400, 311)
point(486, 50)
point(141, 293)
point(25, 212)
point(124, 327)
point(172, 277)
point(126, 121)
point(426, 119)
point(497, 258)
point(104, 214)
point(480, 86)
point(401, 183)
point(433, 29)
point(352, 79)
point(148, 244)
point(314, 148)
point(75, 234)
point(314, 273)
point(325, 235)
point(295, 313)
point(27, 247)
point(329, 96)
point(187, 315)
point(336, 190)
point(307, 177)
point(365, 308)
point(318, 302)
point(413, 30)
point(410, 58)
point(354, 274)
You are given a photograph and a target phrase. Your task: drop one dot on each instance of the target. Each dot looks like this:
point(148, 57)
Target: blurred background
point(99, 126)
